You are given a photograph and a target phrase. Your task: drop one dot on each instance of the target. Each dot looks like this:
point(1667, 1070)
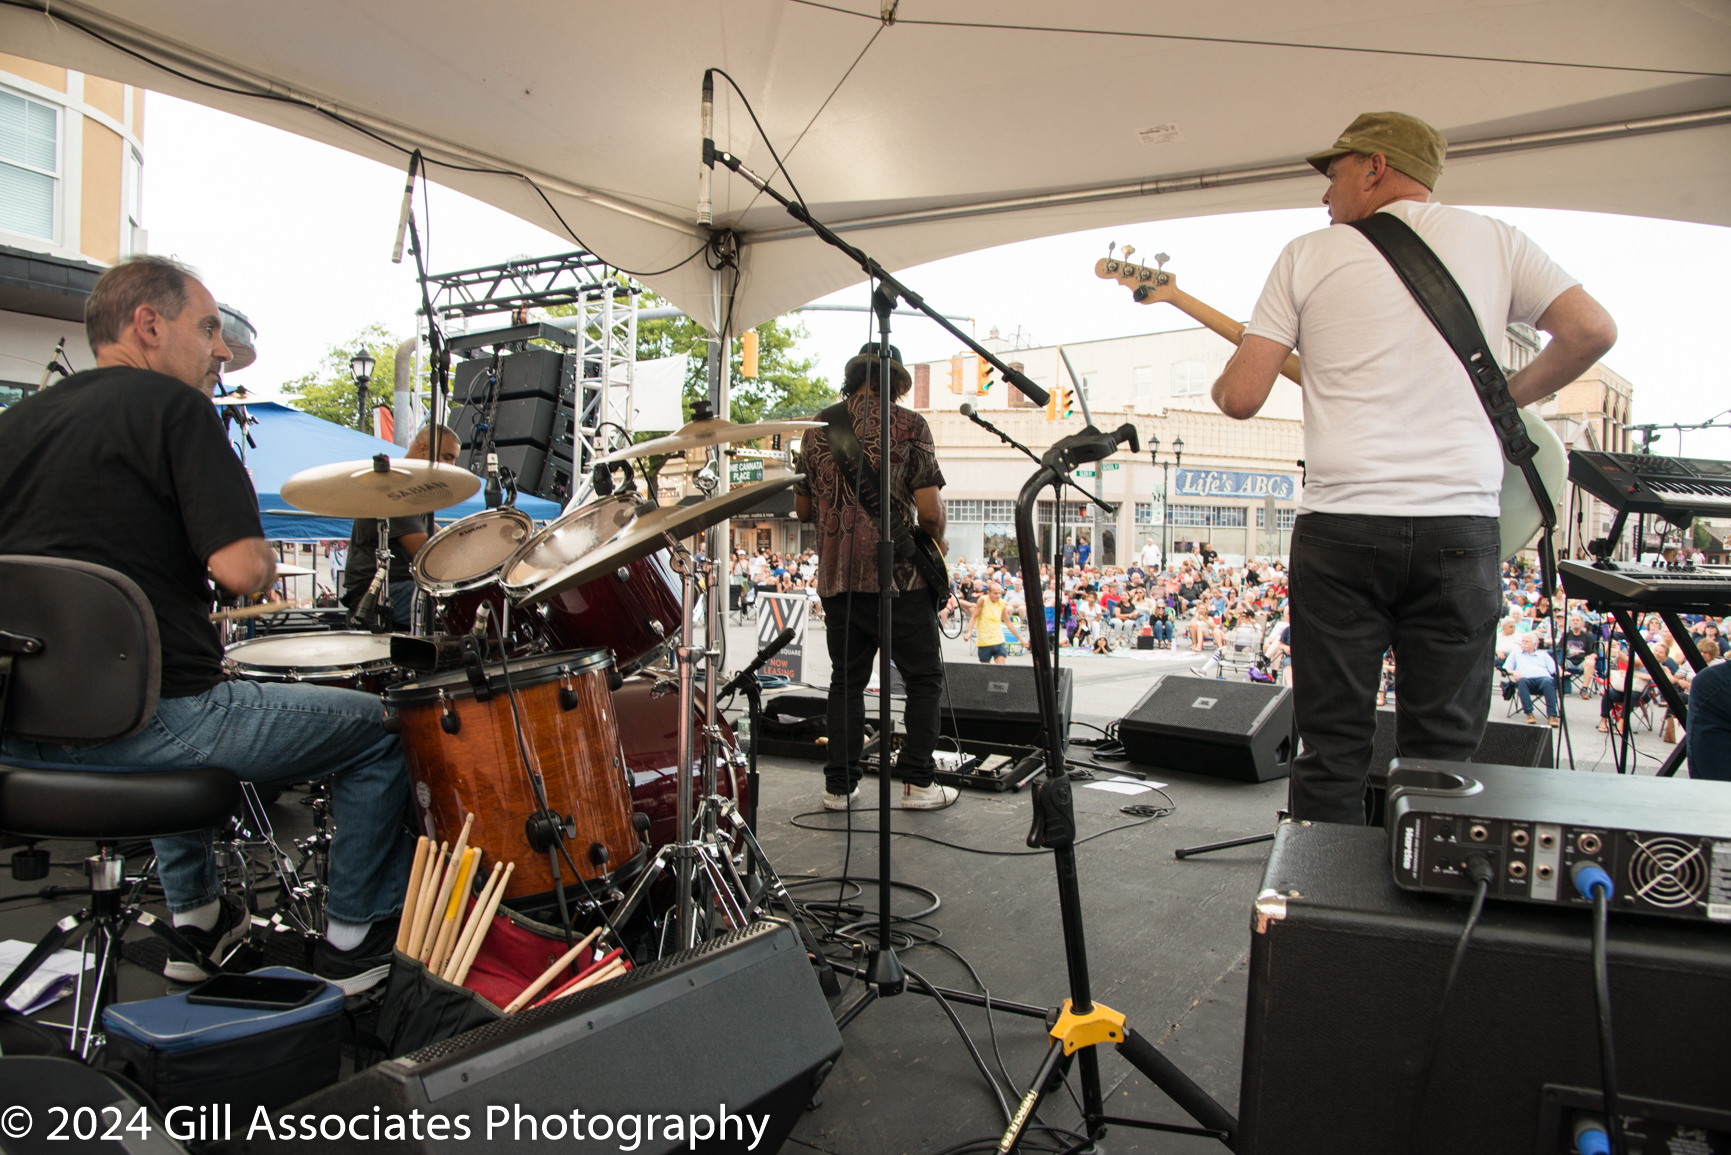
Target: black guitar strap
point(1440, 296)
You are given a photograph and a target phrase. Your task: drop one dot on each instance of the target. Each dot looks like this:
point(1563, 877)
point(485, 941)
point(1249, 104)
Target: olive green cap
point(1411, 145)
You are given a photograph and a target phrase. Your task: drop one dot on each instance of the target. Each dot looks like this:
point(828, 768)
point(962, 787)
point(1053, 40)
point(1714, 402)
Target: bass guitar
point(1519, 520)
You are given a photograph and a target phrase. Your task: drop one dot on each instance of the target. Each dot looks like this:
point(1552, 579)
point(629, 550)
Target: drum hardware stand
point(1082, 1024)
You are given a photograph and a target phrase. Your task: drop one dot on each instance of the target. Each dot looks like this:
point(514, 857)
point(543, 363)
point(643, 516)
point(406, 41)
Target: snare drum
point(464, 758)
point(459, 569)
point(632, 611)
point(349, 659)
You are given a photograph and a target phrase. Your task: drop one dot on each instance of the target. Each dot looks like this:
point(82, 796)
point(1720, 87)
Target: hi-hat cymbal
point(361, 489)
point(650, 532)
point(703, 434)
point(238, 397)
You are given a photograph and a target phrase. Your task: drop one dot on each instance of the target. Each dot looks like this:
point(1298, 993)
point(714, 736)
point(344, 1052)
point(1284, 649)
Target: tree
point(328, 392)
point(784, 388)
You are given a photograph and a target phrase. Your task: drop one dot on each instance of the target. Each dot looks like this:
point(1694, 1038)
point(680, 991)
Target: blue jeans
point(1161, 628)
point(275, 734)
point(1710, 724)
point(1546, 686)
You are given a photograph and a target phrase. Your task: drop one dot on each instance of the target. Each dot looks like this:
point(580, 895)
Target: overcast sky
point(297, 235)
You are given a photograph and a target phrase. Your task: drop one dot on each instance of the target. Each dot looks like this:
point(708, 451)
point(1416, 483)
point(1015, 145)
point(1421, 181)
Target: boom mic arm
point(744, 677)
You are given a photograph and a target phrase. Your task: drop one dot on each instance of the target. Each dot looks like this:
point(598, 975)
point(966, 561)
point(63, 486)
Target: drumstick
point(460, 969)
point(459, 899)
point(474, 911)
point(452, 865)
point(551, 973)
point(429, 880)
point(414, 892)
point(610, 967)
point(256, 611)
point(457, 943)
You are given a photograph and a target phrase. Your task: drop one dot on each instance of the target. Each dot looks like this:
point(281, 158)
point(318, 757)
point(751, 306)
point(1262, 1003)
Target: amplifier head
point(1666, 842)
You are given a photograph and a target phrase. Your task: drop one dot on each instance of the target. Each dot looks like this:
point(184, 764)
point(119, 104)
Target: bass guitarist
point(1396, 540)
point(839, 493)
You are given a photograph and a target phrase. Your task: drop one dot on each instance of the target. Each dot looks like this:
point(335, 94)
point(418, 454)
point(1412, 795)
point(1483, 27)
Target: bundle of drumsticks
point(441, 878)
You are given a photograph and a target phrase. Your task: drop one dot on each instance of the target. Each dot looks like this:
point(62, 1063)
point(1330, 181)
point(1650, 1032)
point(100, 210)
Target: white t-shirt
point(1392, 425)
point(1150, 556)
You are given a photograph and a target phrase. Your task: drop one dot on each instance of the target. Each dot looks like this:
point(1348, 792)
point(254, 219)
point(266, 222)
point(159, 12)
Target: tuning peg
point(1111, 246)
point(1128, 250)
point(1160, 260)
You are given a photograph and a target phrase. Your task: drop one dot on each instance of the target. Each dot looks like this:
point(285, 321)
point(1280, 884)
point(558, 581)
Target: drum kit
point(547, 706)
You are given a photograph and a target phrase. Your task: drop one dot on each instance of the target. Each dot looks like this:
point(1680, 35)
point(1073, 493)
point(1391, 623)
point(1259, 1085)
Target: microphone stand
point(884, 974)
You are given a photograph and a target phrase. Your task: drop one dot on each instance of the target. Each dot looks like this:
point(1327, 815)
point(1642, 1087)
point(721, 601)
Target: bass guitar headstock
point(1149, 286)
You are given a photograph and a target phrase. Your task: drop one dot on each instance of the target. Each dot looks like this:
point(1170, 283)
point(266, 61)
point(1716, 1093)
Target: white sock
point(345, 936)
point(202, 917)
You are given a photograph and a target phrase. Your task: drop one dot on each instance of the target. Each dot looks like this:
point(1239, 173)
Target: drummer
point(408, 535)
point(127, 466)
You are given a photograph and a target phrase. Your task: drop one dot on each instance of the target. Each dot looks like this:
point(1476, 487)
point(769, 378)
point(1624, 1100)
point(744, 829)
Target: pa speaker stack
point(533, 423)
point(1237, 730)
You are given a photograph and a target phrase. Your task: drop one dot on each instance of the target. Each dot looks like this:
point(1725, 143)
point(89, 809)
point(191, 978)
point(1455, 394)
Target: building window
point(29, 165)
point(1144, 513)
point(998, 512)
point(1209, 516)
point(1189, 378)
point(962, 510)
point(1076, 513)
point(133, 236)
point(1142, 377)
point(1282, 517)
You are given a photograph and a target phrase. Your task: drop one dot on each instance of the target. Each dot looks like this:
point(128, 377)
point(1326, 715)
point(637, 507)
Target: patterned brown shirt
point(847, 538)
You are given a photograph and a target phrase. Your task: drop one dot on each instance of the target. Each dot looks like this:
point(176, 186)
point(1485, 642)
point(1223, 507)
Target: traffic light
point(955, 374)
point(748, 354)
point(982, 375)
point(1060, 402)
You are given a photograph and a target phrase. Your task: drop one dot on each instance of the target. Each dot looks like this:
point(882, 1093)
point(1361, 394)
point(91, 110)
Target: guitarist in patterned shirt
point(842, 503)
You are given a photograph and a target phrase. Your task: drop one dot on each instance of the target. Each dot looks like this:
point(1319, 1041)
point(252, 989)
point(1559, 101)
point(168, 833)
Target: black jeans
point(853, 646)
point(1427, 586)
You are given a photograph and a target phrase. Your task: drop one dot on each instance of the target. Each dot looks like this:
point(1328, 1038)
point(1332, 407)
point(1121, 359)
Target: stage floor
point(1167, 940)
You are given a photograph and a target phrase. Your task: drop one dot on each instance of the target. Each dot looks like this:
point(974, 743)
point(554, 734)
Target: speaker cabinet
point(735, 1031)
point(998, 704)
point(1237, 730)
point(1346, 970)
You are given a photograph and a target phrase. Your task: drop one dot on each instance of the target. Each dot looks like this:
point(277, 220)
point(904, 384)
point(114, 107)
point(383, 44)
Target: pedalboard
point(1666, 842)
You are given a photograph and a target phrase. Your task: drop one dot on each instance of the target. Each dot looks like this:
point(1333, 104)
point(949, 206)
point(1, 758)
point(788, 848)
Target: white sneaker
point(840, 801)
point(933, 797)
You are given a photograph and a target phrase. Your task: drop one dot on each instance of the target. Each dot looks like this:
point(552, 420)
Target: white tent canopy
point(959, 125)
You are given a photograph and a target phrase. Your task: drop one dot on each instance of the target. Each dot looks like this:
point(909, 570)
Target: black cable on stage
point(967, 1041)
point(1479, 868)
point(795, 822)
point(1601, 891)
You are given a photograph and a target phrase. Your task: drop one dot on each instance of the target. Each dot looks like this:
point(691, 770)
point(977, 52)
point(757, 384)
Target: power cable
point(1249, 42)
point(1479, 868)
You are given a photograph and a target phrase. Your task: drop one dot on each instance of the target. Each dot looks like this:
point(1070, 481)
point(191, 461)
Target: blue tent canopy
point(287, 441)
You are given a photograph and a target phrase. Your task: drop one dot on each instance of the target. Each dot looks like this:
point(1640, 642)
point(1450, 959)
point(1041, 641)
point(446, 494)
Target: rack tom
point(633, 611)
point(466, 756)
point(459, 568)
point(347, 659)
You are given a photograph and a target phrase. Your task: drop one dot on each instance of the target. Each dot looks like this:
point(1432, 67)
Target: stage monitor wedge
point(1236, 730)
point(735, 1029)
point(997, 704)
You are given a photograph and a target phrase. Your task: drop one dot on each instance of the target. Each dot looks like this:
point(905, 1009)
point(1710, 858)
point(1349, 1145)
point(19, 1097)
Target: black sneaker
point(362, 968)
point(232, 923)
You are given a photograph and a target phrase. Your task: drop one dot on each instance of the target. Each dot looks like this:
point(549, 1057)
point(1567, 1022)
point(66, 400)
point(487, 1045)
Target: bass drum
point(649, 727)
point(464, 758)
point(633, 611)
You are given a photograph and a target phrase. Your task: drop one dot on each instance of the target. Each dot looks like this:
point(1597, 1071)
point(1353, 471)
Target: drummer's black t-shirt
point(130, 469)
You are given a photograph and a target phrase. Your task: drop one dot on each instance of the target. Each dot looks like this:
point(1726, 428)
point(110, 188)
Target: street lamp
point(361, 366)
point(1165, 487)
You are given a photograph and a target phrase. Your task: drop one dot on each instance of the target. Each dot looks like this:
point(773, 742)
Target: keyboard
point(1621, 585)
point(1675, 488)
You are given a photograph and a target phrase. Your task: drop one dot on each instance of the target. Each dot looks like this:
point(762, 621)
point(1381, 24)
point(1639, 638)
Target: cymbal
point(703, 434)
point(358, 489)
point(650, 531)
point(238, 397)
point(289, 569)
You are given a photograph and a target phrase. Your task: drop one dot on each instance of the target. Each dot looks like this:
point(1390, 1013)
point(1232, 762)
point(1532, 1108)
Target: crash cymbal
point(703, 434)
point(235, 397)
point(650, 532)
point(382, 487)
point(289, 569)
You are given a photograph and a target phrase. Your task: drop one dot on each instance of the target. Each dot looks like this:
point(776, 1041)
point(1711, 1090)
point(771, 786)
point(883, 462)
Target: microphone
point(743, 678)
point(967, 409)
point(706, 168)
point(602, 479)
point(408, 206)
point(493, 494)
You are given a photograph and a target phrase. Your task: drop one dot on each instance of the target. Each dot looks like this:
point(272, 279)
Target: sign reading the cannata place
point(1233, 483)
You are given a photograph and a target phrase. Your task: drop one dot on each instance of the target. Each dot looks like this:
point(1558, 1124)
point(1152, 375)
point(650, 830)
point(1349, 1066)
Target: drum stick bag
point(420, 1008)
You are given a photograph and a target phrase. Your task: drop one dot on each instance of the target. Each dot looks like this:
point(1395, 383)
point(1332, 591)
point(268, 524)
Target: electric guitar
point(1519, 519)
